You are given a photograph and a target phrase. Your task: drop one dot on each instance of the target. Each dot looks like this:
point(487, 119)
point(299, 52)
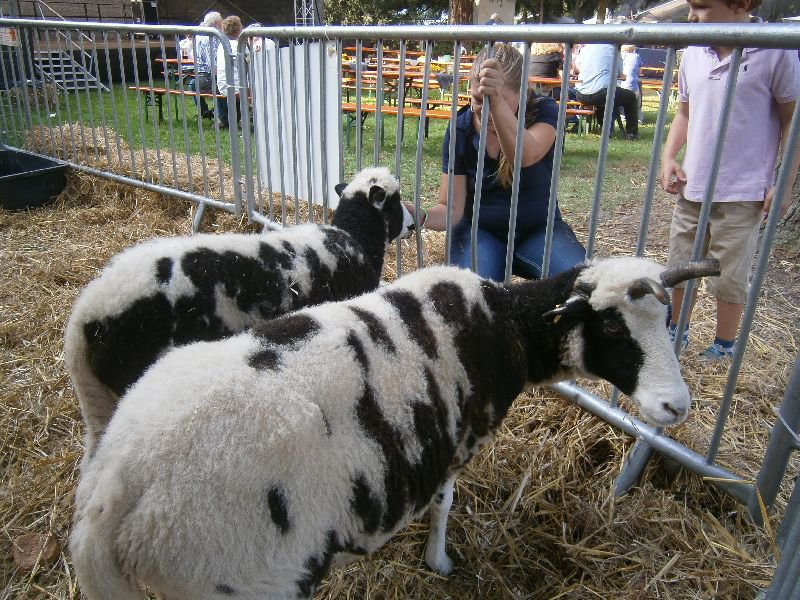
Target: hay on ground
point(534, 514)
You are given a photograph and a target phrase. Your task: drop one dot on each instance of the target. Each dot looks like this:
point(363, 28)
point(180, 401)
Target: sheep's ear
point(339, 187)
point(574, 309)
point(377, 195)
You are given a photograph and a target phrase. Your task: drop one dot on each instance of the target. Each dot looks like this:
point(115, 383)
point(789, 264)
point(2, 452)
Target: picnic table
point(158, 94)
point(175, 68)
point(391, 51)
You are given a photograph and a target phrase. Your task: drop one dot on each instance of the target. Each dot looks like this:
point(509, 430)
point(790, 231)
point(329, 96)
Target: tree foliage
point(384, 12)
point(775, 10)
point(379, 12)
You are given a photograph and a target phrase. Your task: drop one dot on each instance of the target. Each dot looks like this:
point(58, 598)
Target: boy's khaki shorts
point(732, 238)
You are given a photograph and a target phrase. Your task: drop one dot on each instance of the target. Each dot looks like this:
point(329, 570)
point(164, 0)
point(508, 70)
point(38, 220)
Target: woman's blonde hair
point(628, 48)
point(542, 49)
point(511, 64)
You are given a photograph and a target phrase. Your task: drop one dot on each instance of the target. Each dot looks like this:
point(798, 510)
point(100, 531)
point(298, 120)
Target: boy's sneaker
point(673, 329)
point(716, 352)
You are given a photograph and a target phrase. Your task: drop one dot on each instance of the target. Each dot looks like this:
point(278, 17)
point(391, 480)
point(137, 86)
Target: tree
point(383, 12)
point(775, 10)
point(461, 12)
point(789, 227)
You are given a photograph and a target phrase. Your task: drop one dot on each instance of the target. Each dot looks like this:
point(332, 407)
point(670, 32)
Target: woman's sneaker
point(717, 352)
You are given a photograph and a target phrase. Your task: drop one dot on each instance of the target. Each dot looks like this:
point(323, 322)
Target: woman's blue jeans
point(567, 251)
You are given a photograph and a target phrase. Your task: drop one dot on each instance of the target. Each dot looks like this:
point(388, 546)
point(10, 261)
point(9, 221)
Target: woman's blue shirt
point(534, 192)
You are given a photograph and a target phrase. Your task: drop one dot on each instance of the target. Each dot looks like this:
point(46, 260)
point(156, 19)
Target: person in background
point(495, 19)
point(186, 48)
point(631, 65)
point(594, 66)
point(547, 59)
point(498, 78)
point(232, 28)
point(768, 85)
point(204, 63)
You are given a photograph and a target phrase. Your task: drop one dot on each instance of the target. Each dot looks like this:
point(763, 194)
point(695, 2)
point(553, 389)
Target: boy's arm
point(673, 177)
point(785, 111)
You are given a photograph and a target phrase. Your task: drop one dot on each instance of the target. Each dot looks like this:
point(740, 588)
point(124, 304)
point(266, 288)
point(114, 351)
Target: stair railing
point(38, 7)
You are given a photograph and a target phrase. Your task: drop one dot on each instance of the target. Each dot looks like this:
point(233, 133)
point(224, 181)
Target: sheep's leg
point(435, 556)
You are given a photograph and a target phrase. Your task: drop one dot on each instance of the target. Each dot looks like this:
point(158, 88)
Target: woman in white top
point(631, 63)
point(232, 28)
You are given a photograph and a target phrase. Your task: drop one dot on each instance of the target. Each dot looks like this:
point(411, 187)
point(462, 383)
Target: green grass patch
point(131, 116)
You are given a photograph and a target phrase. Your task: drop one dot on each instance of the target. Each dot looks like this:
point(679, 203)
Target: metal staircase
point(58, 66)
point(61, 68)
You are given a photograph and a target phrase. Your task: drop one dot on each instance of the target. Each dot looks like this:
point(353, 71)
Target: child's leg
point(682, 232)
point(677, 302)
point(728, 316)
point(734, 237)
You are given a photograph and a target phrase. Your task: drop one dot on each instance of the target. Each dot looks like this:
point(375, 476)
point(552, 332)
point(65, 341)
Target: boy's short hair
point(628, 48)
point(232, 26)
point(748, 5)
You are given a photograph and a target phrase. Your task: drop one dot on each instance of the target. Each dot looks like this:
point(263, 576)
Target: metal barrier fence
point(291, 149)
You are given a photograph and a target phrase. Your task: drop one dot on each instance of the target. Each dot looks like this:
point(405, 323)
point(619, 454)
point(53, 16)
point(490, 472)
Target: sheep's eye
point(612, 328)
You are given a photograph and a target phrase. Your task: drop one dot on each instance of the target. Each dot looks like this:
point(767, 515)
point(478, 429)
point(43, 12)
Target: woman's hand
point(491, 79)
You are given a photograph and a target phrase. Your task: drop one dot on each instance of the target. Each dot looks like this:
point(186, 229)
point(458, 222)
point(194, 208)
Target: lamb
point(247, 468)
point(173, 291)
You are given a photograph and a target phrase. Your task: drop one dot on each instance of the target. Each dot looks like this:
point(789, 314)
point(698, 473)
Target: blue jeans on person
point(201, 83)
point(566, 252)
point(222, 111)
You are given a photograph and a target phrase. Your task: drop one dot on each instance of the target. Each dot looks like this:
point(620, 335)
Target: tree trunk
point(461, 12)
point(601, 11)
point(789, 228)
point(583, 10)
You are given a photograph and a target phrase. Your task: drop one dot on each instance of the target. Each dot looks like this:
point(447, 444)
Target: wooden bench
point(656, 84)
point(349, 109)
point(574, 109)
point(159, 93)
point(370, 86)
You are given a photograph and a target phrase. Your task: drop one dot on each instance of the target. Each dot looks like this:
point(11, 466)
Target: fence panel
point(300, 135)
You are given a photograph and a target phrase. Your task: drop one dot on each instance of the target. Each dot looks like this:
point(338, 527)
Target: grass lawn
point(134, 124)
point(625, 173)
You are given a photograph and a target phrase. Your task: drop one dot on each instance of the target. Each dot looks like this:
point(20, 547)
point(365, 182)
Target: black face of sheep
point(174, 291)
point(378, 187)
point(616, 316)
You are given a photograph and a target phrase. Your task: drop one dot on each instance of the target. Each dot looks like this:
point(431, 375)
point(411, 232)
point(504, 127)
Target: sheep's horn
point(645, 285)
point(690, 270)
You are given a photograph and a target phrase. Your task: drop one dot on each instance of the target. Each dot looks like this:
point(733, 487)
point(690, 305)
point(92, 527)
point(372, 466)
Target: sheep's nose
point(676, 409)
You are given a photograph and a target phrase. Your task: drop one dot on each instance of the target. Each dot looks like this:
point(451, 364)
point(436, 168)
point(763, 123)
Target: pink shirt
point(767, 77)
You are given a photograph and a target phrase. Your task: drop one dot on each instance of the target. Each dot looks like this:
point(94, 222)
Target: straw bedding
point(534, 515)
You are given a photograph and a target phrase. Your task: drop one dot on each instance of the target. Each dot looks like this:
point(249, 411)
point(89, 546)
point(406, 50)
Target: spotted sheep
point(173, 291)
point(247, 468)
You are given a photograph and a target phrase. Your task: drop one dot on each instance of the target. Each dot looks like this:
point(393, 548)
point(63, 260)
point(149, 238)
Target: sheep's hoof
point(442, 564)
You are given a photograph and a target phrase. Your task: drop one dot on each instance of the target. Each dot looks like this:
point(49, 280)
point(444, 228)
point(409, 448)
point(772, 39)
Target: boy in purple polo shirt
point(767, 87)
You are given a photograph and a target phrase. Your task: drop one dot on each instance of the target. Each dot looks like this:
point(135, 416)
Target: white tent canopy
point(666, 11)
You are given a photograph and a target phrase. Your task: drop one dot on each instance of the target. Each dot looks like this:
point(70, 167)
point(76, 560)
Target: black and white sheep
point(173, 291)
point(246, 468)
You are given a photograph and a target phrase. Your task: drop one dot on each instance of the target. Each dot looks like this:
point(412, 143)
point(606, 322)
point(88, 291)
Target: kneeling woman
point(499, 78)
